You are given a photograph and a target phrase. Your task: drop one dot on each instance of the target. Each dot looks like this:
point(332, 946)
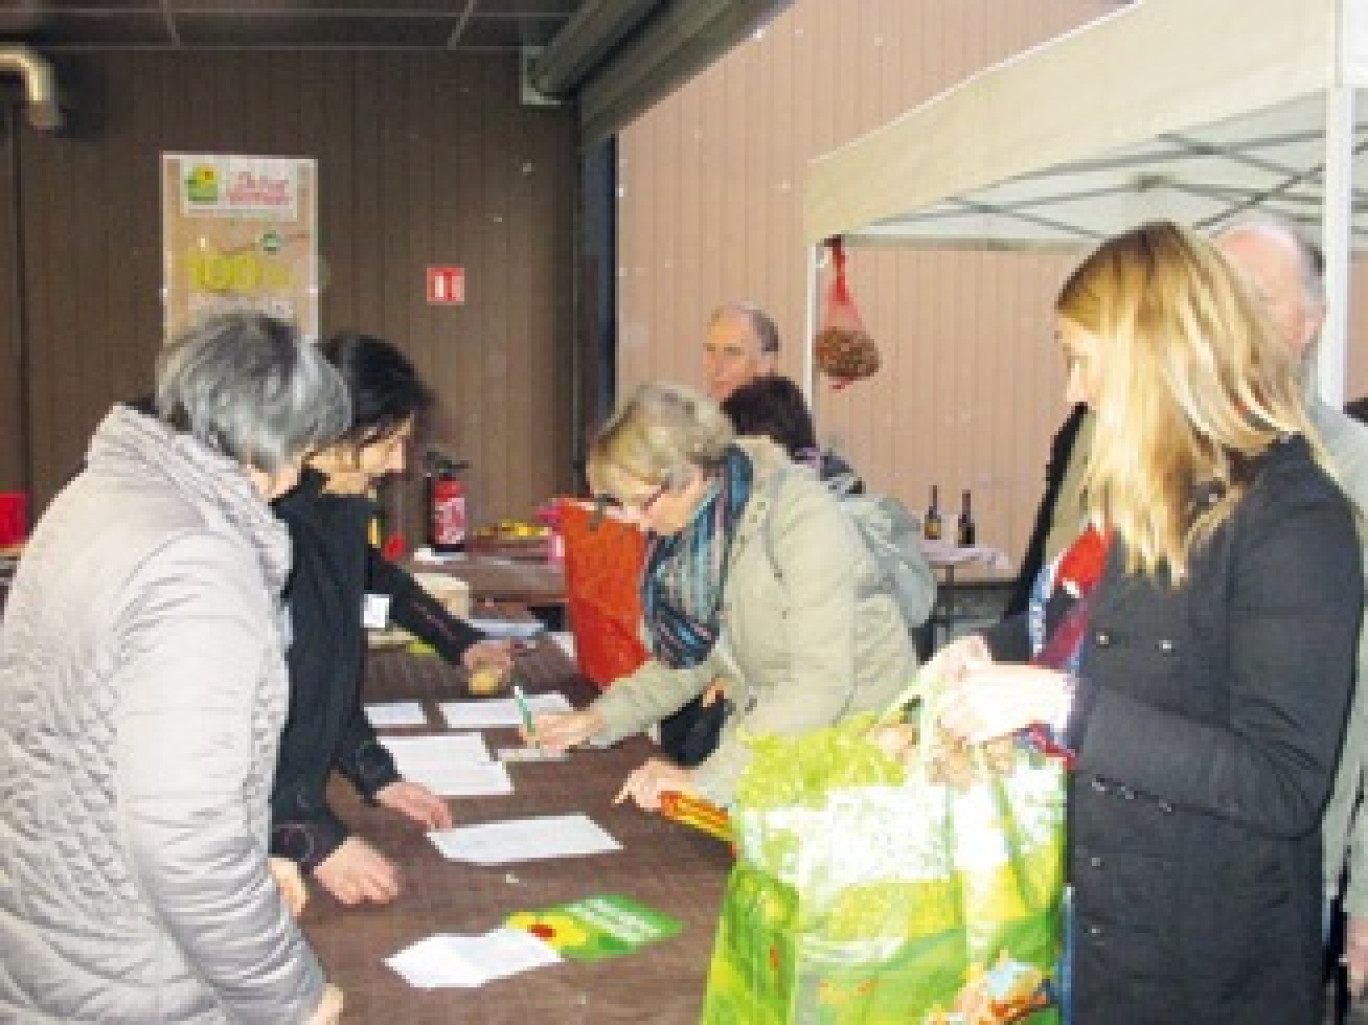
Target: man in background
point(1286, 272)
point(742, 344)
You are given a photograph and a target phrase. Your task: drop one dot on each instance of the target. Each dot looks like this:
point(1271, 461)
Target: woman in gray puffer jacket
point(144, 689)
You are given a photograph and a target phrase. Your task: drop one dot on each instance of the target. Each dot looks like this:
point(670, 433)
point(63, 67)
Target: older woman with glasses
point(754, 574)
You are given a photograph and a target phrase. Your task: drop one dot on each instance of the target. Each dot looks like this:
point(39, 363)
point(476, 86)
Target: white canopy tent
point(1193, 110)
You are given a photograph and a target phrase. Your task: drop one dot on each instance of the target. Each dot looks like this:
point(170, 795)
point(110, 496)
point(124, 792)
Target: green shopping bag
point(756, 960)
point(868, 893)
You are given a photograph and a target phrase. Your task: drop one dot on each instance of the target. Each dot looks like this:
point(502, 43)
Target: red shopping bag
point(603, 560)
point(843, 349)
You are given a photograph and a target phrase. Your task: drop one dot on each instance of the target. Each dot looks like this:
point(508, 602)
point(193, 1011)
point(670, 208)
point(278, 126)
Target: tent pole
point(810, 314)
point(1336, 212)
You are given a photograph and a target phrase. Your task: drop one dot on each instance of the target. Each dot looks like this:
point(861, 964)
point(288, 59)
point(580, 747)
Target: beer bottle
point(964, 528)
point(931, 523)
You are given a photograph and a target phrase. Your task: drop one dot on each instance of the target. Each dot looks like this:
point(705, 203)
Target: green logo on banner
point(202, 184)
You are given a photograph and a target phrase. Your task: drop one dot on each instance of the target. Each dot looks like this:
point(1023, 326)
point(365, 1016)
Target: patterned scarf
point(1076, 573)
point(681, 586)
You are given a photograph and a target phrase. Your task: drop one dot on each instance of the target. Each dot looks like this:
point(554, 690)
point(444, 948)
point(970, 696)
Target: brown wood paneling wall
point(422, 159)
point(711, 209)
point(13, 475)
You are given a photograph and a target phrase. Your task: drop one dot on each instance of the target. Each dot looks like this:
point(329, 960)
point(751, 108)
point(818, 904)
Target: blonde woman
point(1194, 651)
point(754, 574)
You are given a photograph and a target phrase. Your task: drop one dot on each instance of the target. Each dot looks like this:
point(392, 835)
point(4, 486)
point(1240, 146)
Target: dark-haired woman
point(335, 572)
point(773, 406)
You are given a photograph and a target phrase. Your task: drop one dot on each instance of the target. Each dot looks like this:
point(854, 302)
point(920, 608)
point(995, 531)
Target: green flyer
point(596, 928)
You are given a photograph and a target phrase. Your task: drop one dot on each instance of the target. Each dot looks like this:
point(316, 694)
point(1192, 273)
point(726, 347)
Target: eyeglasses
point(643, 506)
point(637, 507)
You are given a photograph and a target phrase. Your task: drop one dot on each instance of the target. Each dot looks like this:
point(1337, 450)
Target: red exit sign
point(446, 285)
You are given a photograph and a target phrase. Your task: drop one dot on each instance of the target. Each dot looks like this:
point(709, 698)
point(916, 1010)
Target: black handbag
point(690, 735)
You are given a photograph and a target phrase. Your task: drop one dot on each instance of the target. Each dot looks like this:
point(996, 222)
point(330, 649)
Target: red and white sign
point(446, 285)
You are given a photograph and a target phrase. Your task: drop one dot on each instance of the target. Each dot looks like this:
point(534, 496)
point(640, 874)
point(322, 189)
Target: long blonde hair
point(1195, 384)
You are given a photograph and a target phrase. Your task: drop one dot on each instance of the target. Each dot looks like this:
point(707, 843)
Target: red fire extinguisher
point(446, 502)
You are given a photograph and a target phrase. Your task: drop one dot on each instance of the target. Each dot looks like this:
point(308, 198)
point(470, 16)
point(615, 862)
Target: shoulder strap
point(839, 487)
point(776, 481)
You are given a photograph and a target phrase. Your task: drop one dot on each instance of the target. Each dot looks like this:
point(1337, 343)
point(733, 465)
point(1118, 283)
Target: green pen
point(526, 714)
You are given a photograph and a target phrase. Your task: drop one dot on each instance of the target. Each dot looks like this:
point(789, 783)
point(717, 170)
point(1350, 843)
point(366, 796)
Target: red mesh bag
point(843, 349)
point(603, 560)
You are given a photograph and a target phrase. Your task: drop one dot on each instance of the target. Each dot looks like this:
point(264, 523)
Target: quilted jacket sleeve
point(194, 755)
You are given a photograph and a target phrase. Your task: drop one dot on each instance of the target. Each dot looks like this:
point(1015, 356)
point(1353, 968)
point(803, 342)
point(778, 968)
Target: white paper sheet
point(447, 960)
point(437, 748)
point(517, 629)
point(565, 640)
point(450, 764)
point(529, 839)
point(529, 754)
point(426, 554)
point(396, 713)
point(491, 712)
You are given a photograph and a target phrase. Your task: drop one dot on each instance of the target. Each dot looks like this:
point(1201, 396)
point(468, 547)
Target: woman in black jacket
point(336, 572)
point(1194, 650)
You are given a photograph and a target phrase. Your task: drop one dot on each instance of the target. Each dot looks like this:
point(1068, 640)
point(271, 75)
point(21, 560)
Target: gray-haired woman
point(754, 574)
point(143, 678)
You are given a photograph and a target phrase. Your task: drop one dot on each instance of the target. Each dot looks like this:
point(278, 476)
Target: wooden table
point(666, 866)
point(503, 578)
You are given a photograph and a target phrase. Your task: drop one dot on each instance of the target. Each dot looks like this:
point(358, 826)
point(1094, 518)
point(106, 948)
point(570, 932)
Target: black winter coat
point(334, 568)
point(1207, 724)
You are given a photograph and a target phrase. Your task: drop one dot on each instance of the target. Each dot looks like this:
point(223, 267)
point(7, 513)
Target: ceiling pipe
point(684, 37)
point(596, 29)
point(40, 85)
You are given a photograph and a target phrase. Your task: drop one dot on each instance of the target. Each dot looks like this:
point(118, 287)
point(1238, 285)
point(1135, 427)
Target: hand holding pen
point(557, 731)
point(529, 726)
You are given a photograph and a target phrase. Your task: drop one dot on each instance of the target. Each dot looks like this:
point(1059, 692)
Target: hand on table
point(290, 882)
point(556, 731)
point(1355, 957)
point(357, 872)
point(416, 802)
point(498, 654)
point(996, 699)
point(656, 777)
point(329, 1008)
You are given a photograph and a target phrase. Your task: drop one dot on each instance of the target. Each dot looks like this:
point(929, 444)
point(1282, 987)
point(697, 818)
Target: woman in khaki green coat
point(754, 575)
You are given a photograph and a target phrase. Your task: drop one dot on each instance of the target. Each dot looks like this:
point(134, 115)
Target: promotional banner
point(239, 232)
